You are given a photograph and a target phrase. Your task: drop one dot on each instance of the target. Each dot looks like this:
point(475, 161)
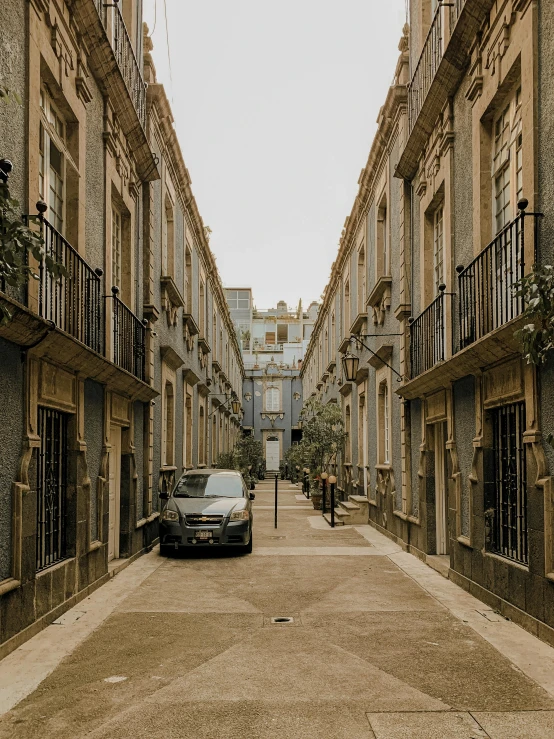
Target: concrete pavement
point(380, 647)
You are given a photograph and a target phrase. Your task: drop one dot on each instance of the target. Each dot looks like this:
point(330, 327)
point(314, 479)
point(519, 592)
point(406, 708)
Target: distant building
point(278, 334)
point(273, 344)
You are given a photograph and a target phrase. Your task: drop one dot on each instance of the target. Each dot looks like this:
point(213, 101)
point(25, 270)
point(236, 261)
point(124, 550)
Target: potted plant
point(316, 493)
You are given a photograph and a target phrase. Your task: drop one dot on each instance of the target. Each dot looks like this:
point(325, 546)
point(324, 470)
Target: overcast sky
point(275, 106)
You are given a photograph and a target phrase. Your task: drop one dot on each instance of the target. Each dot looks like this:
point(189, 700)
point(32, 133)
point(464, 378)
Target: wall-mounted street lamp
point(350, 365)
point(235, 406)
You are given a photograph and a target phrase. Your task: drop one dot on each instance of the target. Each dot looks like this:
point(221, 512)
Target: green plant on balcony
point(537, 336)
point(17, 240)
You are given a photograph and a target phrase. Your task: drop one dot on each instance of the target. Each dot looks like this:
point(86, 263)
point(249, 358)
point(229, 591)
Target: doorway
point(272, 454)
point(114, 462)
point(441, 496)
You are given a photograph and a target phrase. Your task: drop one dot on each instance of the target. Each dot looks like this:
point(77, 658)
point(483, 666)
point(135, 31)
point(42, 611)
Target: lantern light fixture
point(332, 480)
point(350, 364)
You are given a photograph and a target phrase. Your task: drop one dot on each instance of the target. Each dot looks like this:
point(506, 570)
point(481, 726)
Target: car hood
point(207, 506)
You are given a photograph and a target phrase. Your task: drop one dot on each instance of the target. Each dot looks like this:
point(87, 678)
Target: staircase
point(352, 512)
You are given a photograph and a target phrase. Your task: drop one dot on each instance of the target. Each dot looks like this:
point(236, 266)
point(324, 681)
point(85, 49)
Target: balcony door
point(114, 492)
point(441, 495)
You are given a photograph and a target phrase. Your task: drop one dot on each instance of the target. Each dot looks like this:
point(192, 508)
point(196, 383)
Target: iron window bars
point(51, 488)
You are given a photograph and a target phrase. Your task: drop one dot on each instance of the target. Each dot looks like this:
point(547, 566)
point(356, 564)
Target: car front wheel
point(248, 548)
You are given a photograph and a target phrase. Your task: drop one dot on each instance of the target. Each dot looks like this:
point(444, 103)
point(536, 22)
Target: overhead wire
point(168, 51)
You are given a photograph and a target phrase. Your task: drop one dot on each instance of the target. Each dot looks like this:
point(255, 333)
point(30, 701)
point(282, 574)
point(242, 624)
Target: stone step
point(338, 517)
point(359, 499)
point(349, 506)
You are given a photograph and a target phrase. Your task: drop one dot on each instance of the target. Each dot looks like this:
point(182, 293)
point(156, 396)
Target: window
point(52, 160)
point(383, 259)
point(272, 399)
point(270, 337)
point(51, 487)
point(201, 434)
point(282, 333)
point(347, 321)
point(507, 162)
point(361, 280)
point(116, 247)
point(188, 430)
point(188, 280)
point(168, 239)
point(238, 299)
point(202, 307)
point(168, 425)
point(348, 439)
point(384, 423)
point(507, 495)
point(438, 247)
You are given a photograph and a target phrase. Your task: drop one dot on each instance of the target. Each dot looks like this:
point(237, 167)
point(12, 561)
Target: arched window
point(272, 399)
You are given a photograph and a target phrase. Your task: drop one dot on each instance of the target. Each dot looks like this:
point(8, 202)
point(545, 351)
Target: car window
point(206, 486)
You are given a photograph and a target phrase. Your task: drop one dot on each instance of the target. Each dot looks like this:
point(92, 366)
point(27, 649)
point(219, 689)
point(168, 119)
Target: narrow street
point(380, 646)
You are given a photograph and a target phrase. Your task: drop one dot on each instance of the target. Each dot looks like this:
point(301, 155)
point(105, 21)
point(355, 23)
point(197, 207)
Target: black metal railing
point(128, 337)
point(455, 11)
point(487, 298)
point(427, 337)
point(125, 56)
point(73, 300)
point(426, 67)
point(506, 509)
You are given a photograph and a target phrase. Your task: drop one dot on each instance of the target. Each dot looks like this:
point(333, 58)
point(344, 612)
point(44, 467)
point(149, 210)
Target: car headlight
point(239, 516)
point(169, 515)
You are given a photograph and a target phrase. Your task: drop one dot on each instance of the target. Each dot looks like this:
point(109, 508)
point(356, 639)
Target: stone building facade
point(466, 480)
point(105, 374)
point(273, 344)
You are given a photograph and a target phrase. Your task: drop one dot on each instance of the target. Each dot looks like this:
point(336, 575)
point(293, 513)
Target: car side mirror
point(163, 495)
point(251, 496)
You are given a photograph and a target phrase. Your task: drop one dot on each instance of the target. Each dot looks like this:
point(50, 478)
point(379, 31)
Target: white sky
point(275, 106)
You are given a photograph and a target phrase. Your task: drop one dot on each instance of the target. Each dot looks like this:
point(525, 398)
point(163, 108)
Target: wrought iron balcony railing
point(125, 56)
point(431, 56)
point(427, 66)
point(73, 301)
point(128, 338)
point(486, 295)
point(427, 337)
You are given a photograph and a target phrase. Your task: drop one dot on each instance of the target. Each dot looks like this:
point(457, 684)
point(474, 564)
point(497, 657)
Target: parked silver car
point(207, 508)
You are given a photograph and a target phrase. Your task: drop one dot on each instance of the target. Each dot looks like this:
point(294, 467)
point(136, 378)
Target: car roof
point(204, 471)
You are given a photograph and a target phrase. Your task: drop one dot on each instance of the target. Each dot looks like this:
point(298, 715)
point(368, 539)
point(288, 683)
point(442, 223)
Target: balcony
point(112, 59)
point(128, 338)
point(486, 296)
point(72, 302)
point(488, 312)
point(427, 337)
point(438, 72)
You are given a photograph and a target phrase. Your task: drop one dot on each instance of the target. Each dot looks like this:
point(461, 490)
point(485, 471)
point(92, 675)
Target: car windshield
point(209, 486)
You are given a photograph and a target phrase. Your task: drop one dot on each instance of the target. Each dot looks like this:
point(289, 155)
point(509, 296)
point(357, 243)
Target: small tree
point(249, 451)
point(323, 435)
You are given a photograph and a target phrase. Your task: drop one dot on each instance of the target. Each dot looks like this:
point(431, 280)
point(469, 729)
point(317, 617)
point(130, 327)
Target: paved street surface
point(381, 647)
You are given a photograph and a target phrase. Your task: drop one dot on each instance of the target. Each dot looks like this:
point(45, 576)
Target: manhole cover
point(282, 620)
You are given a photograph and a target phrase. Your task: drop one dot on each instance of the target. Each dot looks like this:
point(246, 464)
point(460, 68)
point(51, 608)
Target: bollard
point(276, 489)
point(333, 505)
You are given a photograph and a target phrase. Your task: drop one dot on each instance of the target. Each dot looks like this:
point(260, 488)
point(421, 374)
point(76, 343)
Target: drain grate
point(282, 620)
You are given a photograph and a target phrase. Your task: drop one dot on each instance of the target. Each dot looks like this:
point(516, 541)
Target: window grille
point(508, 507)
point(51, 487)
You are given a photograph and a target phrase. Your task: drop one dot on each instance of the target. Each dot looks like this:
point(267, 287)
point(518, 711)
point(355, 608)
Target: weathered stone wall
point(11, 430)
point(464, 415)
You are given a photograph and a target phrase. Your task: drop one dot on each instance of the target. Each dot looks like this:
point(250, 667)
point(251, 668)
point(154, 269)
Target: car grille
point(197, 519)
